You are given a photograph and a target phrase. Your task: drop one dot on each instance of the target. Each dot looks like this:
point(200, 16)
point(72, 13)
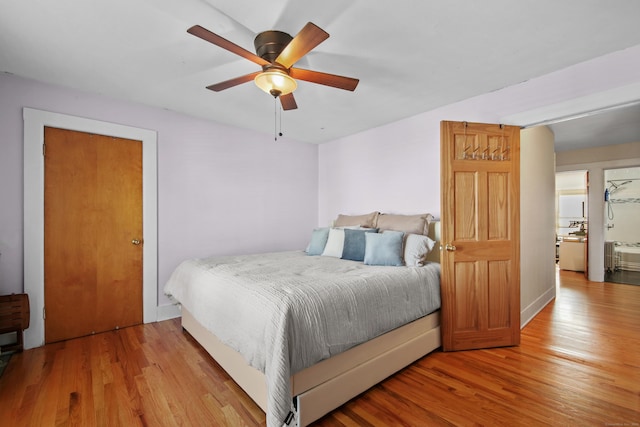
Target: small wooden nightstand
point(14, 317)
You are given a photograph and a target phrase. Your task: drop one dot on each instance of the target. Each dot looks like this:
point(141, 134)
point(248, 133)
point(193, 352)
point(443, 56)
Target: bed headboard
point(415, 224)
point(434, 233)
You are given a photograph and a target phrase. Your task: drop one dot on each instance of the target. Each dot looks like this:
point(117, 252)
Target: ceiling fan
point(277, 52)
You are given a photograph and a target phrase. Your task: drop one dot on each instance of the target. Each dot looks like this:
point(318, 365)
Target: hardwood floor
point(578, 364)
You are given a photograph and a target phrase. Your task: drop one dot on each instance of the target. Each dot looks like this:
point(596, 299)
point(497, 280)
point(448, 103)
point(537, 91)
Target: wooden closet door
point(93, 233)
point(481, 235)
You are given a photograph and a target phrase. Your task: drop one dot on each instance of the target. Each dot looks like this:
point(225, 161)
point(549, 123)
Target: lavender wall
point(221, 190)
point(393, 168)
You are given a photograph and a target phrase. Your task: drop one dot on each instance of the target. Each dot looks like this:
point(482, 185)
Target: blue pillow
point(319, 238)
point(354, 243)
point(384, 248)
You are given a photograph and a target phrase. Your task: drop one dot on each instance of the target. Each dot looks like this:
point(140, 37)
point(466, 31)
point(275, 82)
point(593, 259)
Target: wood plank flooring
point(578, 365)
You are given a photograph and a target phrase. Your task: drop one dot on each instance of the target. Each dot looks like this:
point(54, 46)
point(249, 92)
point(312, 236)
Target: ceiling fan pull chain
point(280, 132)
point(276, 132)
point(275, 118)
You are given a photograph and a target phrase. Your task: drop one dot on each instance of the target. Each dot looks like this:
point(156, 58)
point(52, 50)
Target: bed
point(278, 322)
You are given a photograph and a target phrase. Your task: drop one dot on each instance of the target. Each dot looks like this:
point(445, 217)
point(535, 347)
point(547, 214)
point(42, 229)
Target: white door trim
point(34, 124)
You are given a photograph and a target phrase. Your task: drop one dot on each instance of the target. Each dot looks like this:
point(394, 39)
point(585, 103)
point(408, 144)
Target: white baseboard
point(168, 311)
point(535, 307)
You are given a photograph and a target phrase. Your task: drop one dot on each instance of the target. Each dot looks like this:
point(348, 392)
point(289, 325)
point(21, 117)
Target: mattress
point(286, 311)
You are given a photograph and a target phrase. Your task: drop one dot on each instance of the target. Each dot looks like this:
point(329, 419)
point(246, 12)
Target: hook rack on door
point(494, 147)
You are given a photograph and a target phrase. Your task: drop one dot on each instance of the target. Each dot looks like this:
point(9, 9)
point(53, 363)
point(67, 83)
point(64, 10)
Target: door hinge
point(44, 314)
point(44, 149)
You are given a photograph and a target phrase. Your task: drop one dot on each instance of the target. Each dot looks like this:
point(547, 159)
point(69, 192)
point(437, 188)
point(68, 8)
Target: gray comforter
point(286, 311)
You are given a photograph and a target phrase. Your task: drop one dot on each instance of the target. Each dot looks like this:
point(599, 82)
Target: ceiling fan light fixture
point(275, 82)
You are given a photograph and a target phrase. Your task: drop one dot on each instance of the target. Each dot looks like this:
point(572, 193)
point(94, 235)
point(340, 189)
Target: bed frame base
point(327, 385)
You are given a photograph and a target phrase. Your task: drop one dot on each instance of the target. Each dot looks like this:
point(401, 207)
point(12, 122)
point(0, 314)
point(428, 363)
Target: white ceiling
point(617, 126)
point(411, 56)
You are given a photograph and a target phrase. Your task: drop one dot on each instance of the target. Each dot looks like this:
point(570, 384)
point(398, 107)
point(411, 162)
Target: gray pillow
point(354, 243)
point(384, 248)
point(416, 249)
point(319, 238)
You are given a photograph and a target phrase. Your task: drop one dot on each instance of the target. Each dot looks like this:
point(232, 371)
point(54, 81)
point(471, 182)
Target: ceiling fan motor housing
point(269, 44)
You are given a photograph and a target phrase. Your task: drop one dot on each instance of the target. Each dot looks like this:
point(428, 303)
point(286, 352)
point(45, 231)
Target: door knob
point(136, 242)
point(450, 247)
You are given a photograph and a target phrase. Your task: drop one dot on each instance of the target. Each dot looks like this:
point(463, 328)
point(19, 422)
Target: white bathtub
point(628, 257)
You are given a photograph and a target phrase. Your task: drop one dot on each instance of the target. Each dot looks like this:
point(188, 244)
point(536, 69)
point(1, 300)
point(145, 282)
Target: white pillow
point(416, 248)
point(335, 243)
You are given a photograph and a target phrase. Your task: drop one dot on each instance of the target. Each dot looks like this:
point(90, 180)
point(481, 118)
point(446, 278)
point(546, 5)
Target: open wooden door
point(480, 167)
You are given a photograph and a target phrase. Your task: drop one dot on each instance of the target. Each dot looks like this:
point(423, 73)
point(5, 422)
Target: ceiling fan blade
point(288, 102)
point(309, 37)
point(233, 82)
point(207, 35)
point(340, 82)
